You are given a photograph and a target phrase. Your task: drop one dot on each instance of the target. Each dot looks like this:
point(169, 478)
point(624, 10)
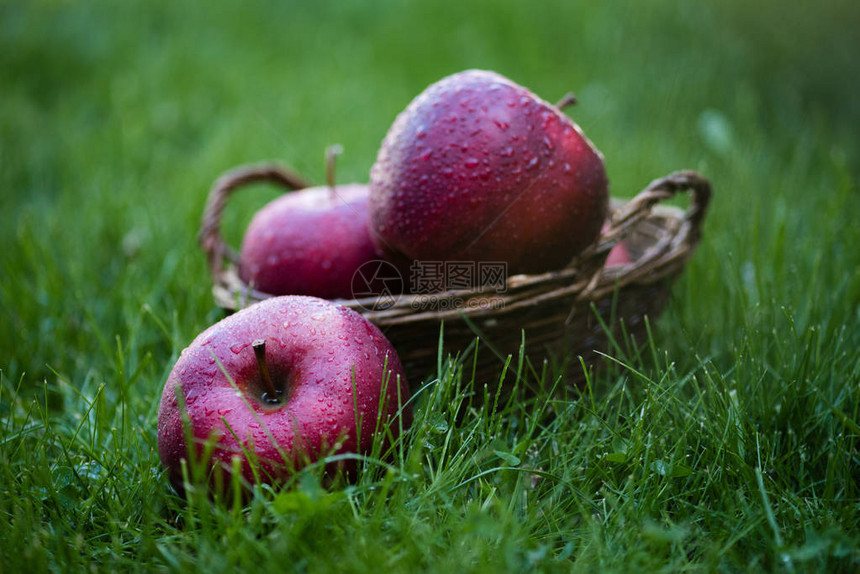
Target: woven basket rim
point(585, 278)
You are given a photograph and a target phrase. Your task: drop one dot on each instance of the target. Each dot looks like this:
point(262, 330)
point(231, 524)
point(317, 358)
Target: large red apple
point(478, 168)
point(309, 242)
point(309, 378)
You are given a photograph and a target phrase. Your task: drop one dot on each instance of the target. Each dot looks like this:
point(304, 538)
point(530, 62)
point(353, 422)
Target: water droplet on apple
point(548, 143)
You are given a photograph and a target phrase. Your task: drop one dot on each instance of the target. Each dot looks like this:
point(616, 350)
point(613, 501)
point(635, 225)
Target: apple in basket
point(278, 385)
point(309, 242)
point(478, 168)
point(619, 254)
point(315, 241)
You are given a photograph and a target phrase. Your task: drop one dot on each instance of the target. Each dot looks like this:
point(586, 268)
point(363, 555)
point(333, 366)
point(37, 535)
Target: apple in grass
point(478, 168)
point(284, 382)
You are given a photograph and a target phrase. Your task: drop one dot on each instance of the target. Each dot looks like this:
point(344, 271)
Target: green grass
point(729, 444)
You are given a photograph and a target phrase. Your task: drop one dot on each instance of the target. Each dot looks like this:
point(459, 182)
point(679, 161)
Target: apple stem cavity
point(567, 100)
point(271, 395)
point(331, 154)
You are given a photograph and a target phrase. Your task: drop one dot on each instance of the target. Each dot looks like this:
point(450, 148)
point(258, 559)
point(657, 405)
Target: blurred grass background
point(116, 117)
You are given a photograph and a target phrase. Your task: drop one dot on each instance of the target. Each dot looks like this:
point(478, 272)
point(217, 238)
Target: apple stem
point(331, 154)
point(569, 99)
point(271, 394)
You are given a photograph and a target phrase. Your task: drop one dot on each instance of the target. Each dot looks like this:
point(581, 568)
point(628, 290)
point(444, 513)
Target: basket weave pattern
point(560, 311)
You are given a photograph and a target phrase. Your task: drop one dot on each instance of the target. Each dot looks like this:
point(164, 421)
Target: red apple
point(309, 242)
point(478, 168)
point(309, 378)
point(618, 255)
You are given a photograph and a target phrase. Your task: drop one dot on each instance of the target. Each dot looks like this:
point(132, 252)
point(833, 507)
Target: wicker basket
point(571, 312)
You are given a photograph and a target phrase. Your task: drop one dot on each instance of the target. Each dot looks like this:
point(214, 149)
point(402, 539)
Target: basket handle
point(661, 189)
point(623, 220)
point(209, 237)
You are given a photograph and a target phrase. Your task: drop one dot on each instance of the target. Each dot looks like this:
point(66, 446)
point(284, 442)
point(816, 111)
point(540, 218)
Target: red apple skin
point(309, 242)
point(313, 347)
point(618, 255)
point(477, 168)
